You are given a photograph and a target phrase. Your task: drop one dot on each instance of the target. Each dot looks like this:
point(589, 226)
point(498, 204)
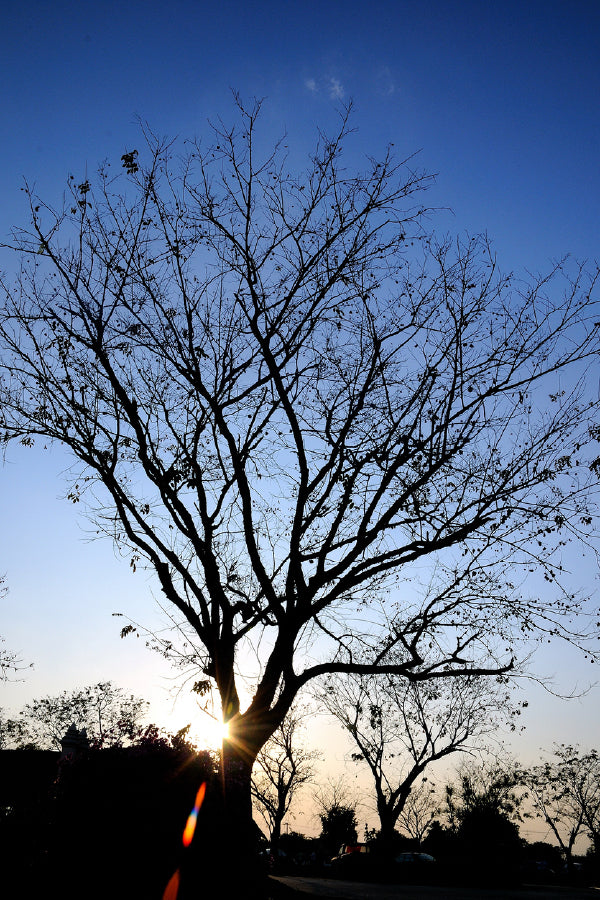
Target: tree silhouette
point(399, 728)
point(105, 711)
point(337, 805)
point(565, 792)
point(420, 810)
point(284, 395)
point(282, 767)
point(483, 808)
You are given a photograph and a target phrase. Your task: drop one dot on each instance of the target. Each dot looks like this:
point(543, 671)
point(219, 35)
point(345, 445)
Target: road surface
point(352, 890)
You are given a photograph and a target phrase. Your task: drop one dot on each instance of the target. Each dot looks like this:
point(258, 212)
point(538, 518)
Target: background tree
point(483, 809)
point(105, 711)
point(420, 810)
point(400, 727)
point(483, 806)
point(282, 768)
point(338, 827)
point(586, 767)
point(565, 792)
point(283, 394)
point(13, 732)
point(337, 816)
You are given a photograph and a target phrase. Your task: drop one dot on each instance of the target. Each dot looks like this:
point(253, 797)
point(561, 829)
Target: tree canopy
point(109, 716)
point(337, 438)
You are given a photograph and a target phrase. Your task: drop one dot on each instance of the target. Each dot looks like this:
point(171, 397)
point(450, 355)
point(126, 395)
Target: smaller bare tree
point(400, 728)
point(565, 792)
point(420, 810)
point(282, 768)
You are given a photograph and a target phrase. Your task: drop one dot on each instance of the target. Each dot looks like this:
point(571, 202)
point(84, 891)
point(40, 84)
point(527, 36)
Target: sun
point(223, 729)
point(207, 728)
point(213, 732)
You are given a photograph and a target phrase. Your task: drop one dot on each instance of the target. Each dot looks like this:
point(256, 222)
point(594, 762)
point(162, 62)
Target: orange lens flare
point(190, 825)
point(172, 889)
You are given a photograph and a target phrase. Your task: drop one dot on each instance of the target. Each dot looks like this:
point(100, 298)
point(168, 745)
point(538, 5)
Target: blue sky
point(500, 100)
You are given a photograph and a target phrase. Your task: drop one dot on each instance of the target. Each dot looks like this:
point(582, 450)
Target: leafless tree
point(420, 810)
point(400, 728)
point(565, 792)
point(283, 766)
point(284, 394)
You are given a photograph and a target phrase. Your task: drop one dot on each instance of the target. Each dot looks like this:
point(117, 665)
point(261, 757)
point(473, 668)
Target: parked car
point(415, 859)
point(414, 867)
point(538, 871)
point(350, 850)
point(351, 858)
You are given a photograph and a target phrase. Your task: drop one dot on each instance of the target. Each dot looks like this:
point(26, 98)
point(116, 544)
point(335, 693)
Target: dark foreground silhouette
point(111, 823)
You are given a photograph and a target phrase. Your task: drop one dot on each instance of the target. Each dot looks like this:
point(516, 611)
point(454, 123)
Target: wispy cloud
point(336, 89)
point(385, 81)
point(331, 86)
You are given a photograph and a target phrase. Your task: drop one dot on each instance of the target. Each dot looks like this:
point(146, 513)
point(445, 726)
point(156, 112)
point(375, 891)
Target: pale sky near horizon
point(500, 100)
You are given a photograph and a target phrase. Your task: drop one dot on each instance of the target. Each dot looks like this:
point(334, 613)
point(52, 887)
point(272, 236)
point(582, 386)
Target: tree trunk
point(225, 860)
point(275, 839)
point(387, 832)
point(569, 860)
point(236, 771)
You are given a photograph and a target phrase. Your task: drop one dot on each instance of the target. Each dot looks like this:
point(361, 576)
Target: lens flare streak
point(190, 825)
point(172, 889)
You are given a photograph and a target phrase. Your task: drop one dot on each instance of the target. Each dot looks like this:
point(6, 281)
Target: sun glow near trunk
point(209, 731)
point(213, 732)
point(223, 729)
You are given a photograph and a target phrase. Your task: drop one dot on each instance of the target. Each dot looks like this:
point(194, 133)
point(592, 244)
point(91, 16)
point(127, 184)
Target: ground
point(293, 888)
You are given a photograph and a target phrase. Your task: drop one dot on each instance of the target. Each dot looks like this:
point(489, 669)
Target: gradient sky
point(500, 100)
